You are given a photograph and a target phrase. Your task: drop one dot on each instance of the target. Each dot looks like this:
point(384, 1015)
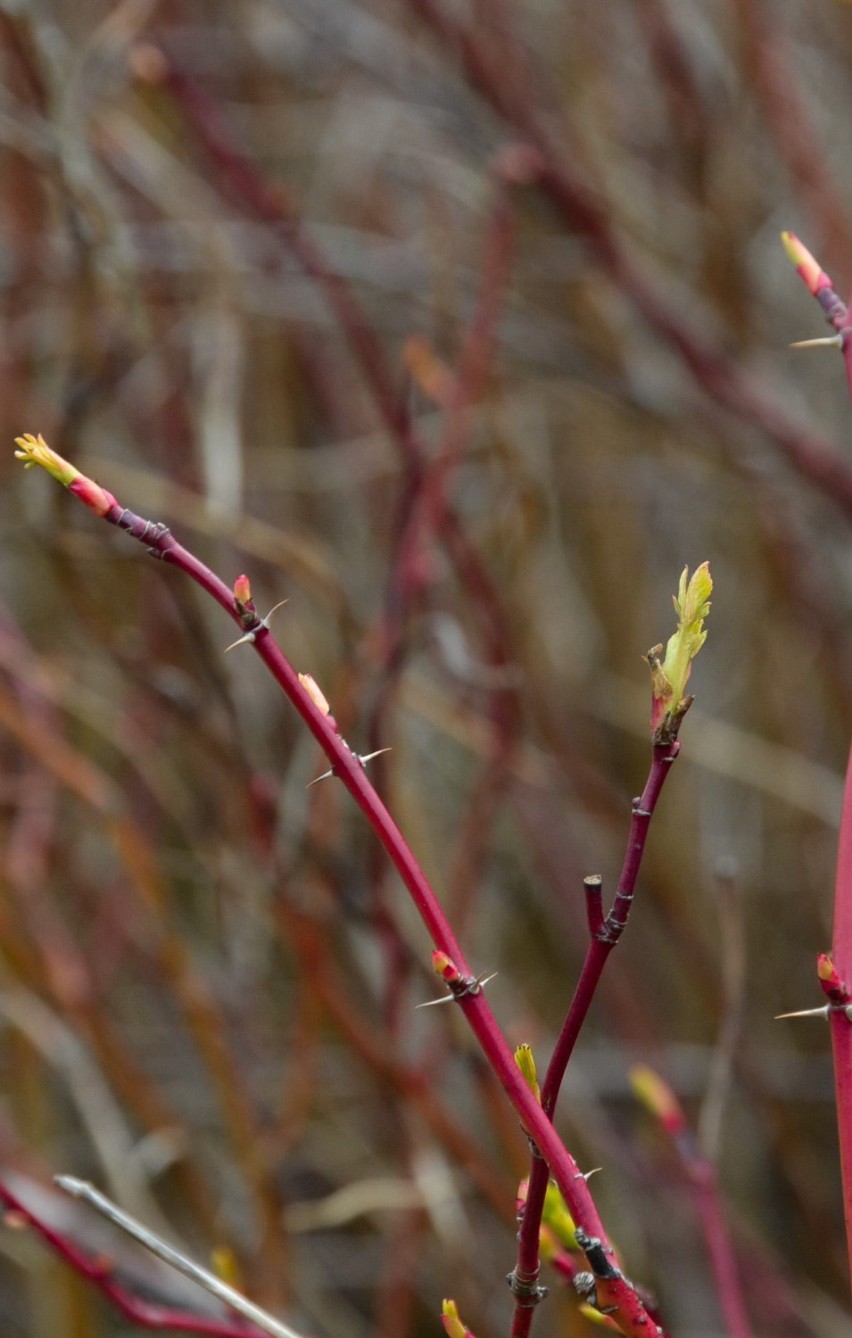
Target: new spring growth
point(819, 284)
point(453, 1325)
point(658, 1098)
point(669, 700)
point(315, 694)
point(808, 268)
point(446, 968)
point(225, 1266)
point(35, 451)
point(526, 1063)
point(830, 980)
point(557, 1218)
point(242, 596)
point(591, 1313)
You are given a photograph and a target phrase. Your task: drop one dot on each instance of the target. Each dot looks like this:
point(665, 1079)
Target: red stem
point(585, 210)
point(630, 1311)
point(841, 1028)
point(98, 1273)
point(601, 944)
point(703, 1178)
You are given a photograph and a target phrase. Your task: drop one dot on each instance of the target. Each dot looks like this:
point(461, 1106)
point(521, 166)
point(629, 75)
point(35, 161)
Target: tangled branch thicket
point(463, 329)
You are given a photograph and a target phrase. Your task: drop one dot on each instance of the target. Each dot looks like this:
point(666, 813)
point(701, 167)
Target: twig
point(670, 703)
point(820, 286)
point(604, 935)
point(700, 1173)
point(585, 210)
point(732, 937)
point(99, 1274)
point(836, 988)
point(80, 1189)
point(629, 1310)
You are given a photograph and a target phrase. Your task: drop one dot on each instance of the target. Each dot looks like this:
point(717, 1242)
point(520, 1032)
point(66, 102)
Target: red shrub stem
point(586, 211)
point(703, 1178)
point(99, 1273)
point(604, 934)
point(841, 1027)
point(630, 1311)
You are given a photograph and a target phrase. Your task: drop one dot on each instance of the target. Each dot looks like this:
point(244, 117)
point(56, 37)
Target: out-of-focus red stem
point(701, 1177)
point(821, 287)
point(705, 1184)
point(771, 71)
point(99, 1274)
point(585, 210)
point(629, 1312)
point(841, 1026)
point(273, 205)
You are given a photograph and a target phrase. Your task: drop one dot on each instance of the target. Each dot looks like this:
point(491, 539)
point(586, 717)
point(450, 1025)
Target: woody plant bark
point(670, 703)
point(618, 1295)
point(834, 970)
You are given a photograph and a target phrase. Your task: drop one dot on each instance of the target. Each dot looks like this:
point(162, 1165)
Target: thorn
point(805, 1012)
point(364, 758)
point(280, 605)
point(251, 636)
point(830, 341)
point(587, 1175)
point(244, 640)
point(464, 987)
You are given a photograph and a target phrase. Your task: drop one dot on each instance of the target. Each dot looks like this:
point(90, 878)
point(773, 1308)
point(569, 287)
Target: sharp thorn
point(830, 341)
point(805, 1012)
point(364, 758)
point(241, 641)
point(274, 609)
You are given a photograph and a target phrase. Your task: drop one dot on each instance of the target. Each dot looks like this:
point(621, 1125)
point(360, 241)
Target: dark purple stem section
point(349, 769)
point(605, 933)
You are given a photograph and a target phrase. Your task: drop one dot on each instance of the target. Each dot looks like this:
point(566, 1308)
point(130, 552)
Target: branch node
point(462, 988)
point(527, 1291)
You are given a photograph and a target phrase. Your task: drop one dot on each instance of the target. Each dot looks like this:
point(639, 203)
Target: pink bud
point(242, 590)
point(445, 967)
point(830, 980)
point(315, 694)
point(811, 272)
point(92, 495)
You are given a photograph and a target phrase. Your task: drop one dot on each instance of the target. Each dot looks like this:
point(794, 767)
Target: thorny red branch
point(820, 286)
point(627, 1307)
